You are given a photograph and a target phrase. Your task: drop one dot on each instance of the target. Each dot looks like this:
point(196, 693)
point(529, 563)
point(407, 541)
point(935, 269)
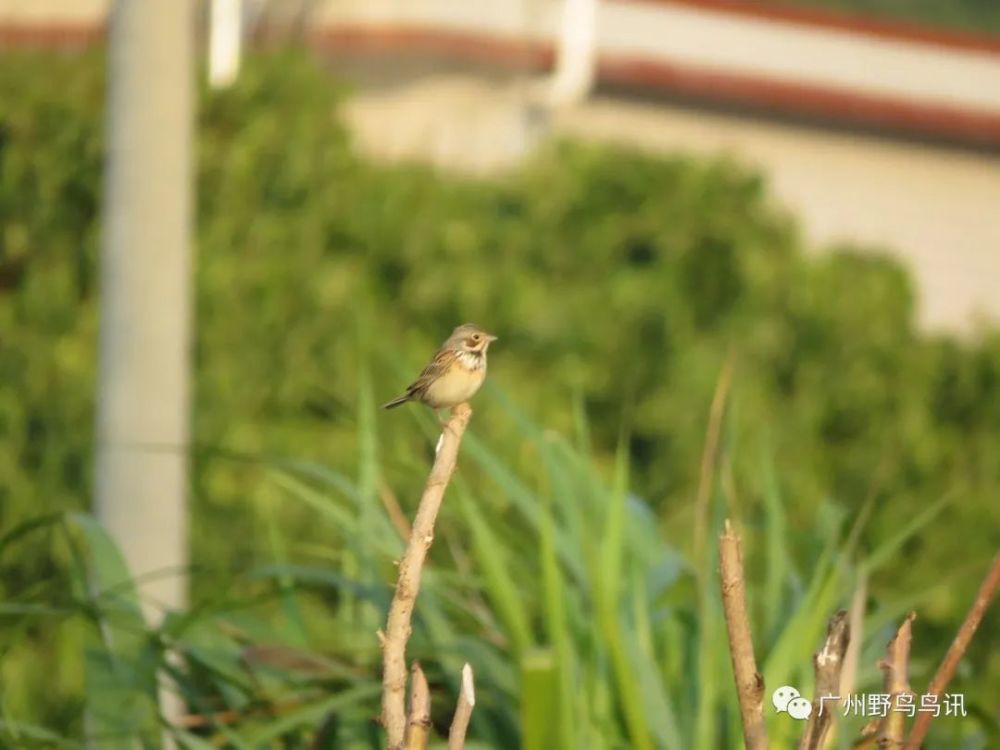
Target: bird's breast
point(458, 384)
point(472, 360)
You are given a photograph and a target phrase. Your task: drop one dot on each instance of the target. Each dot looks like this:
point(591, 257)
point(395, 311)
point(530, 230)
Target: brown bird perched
point(454, 374)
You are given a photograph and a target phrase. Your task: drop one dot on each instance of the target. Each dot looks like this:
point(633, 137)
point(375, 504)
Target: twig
point(896, 665)
point(463, 711)
point(397, 629)
point(289, 659)
point(749, 682)
point(476, 604)
point(196, 721)
point(868, 737)
point(957, 649)
point(827, 664)
point(231, 716)
point(418, 729)
point(709, 453)
point(849, 674)
point(727, 482)
point(396, 514)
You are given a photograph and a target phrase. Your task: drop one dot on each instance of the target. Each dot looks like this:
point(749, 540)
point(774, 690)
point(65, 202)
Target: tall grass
point(586, 626)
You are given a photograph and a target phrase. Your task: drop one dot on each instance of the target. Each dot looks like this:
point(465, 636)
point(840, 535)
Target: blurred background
point(743, 259)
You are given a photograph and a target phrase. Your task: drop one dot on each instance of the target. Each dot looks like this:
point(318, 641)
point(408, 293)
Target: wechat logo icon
point(787, 699)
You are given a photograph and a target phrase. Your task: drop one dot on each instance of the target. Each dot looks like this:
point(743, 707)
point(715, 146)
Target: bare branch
point(827, 664)
point(391, 505)
point(749, 682)
point(896, 665)
point(419, 726)
point(849, 674)
point(463, 711)
point(709, 453)
point(869, 736)
point(397, 629)
point(943, 676)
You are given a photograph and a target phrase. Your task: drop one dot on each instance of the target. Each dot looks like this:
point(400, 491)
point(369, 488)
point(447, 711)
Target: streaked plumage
point(454, 374)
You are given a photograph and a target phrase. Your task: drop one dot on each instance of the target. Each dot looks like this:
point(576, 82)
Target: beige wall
point(937, 209)
point(920, 72)
point(53, 11)
point(803, 54)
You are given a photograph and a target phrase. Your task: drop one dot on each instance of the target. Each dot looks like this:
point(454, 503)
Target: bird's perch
point(418, 730)
point(896, 666)
point(828, 663)
point(749, 682)
point(397, 629)
point(463, 711)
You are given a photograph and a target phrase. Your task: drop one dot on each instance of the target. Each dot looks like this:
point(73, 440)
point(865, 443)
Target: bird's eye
point(475, 337)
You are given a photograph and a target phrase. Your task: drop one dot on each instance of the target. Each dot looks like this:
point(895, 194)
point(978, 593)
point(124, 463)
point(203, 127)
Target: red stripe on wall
point(50, 35)
point(857, 23)
point(470, 46)
point(57, 34)
point(833, 105)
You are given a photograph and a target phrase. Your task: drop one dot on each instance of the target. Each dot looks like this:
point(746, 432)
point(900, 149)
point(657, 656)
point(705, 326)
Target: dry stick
point(896, 665)
point(827, 664)
point(868, 738)
point(957, 649)
point(231, 716)
point(397, 629)
point(749, 682)
point(709, 453)
point(418, 728)
point(396, 514)
point(728, 484)
point(849, 674)
point(856, 622)
point(463, 711)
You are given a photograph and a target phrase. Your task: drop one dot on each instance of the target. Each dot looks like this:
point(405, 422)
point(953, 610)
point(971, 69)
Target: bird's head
point(470, 338)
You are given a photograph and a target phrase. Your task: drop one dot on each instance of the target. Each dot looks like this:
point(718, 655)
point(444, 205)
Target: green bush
point(618, 283)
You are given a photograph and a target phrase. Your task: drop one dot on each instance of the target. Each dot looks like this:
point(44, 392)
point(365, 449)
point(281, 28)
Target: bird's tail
point(397, 402)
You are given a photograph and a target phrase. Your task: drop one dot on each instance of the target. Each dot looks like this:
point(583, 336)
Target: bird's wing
point(438, 366)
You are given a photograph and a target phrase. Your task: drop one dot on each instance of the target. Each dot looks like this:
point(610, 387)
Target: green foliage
point(121, 659)
point(618, 284)
point(595, 651)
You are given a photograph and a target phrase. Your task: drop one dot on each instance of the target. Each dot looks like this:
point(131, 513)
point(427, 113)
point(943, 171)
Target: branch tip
point(949, 664)
point(398, 627)
point(749, 681)
point(463, 710)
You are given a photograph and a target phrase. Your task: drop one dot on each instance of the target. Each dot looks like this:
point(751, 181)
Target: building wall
point(936, 209)
point(60, 12)
point(934, 206)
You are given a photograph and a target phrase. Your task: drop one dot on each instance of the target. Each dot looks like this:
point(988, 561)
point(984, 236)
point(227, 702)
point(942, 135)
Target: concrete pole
point(145, 308)
point(225, 40)
point(576, 56)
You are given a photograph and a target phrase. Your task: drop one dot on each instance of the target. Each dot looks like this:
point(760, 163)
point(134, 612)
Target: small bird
point(454, 374)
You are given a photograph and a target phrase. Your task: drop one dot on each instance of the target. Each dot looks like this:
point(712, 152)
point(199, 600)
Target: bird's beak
point(490, 338)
